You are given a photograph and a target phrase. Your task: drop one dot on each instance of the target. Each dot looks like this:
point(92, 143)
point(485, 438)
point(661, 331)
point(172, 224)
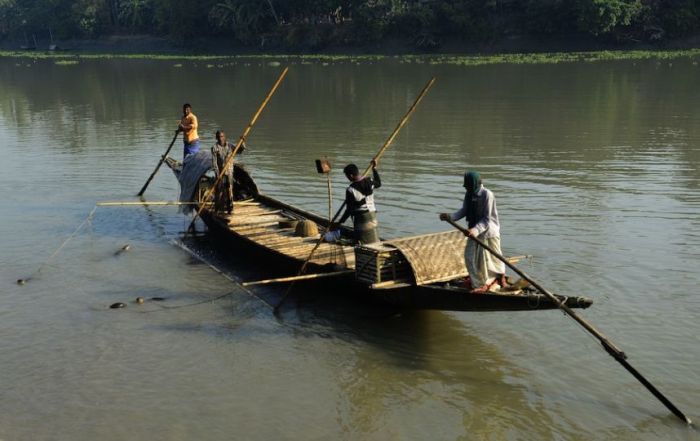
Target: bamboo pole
point(330, 199)
point(132, 203)
point(296, 278)
point(141, 203)
point(376, 157)
point(609, 347)
point(241, 140)
point(162, 159)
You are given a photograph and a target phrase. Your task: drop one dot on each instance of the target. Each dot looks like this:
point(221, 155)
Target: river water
point(595, 167)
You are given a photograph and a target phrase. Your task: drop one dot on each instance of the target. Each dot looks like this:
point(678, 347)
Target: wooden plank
point(244, 227)
point(391, 284)
point(237, 220)
point(295, 249)
point(253, 221)
point(293, 240)
point(267, 231)
point(254, 212)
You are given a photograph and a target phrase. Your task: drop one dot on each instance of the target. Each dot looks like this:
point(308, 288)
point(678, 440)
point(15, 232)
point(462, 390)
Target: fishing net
point(193, 167)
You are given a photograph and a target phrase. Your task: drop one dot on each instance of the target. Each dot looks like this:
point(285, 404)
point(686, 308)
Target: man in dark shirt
point(359, 199)
point(224, 190)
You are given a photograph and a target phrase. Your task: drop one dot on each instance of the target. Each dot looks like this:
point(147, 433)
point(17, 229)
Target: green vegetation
point(315, 24)
point(278, 60)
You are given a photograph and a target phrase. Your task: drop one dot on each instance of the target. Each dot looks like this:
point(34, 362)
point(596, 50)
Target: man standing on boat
point(359, 200)
point(224, 190)
point(479, 207)
point(188, 126)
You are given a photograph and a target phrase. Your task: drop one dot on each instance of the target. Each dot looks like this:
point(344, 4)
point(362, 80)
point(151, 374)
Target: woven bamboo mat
point(436, 257)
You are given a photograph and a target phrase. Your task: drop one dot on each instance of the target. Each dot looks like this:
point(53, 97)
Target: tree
point(246, 18)
point(605, 16)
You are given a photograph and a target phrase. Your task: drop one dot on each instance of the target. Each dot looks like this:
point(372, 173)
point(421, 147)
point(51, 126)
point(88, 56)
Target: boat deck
point(259, 222)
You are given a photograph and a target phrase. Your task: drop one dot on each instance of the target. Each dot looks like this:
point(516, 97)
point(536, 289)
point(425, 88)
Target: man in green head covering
point(479, 208)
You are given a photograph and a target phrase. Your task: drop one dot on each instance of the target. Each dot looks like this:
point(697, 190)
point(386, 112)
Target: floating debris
point(158, 299)
point(21, 281)
point(117, 305)
point(123, 249)
point(139, 300)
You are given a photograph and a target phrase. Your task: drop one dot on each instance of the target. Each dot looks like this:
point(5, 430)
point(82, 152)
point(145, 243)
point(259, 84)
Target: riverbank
point(67, 58)
point(145, 44)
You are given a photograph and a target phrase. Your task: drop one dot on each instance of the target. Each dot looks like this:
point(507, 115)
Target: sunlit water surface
point(595, 169)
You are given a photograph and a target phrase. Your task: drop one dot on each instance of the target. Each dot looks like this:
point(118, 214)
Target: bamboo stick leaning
point(295, 278)
point(162, 159)
point(609, 347)
point(376, 157)
point(241, 140)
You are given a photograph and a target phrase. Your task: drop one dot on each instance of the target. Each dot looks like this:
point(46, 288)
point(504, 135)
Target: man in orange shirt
point(188, 127)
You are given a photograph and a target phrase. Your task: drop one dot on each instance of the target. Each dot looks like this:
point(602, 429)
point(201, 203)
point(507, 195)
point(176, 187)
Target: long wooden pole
point(609, 347)
point(165, 155)
point(129, 203)
point(160, 203)
point(295, 278)
point(241, 140)
point(376, 157)
point(330, 198)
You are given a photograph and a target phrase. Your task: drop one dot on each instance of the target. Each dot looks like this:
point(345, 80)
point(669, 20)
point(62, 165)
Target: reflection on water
point(595, 169)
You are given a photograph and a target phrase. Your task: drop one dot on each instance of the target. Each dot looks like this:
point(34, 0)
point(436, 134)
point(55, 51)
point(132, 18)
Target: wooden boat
point(421, 272)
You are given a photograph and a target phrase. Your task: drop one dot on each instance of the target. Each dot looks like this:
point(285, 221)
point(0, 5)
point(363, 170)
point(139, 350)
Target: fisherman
point(359, 199)
point(224, 190)
point(188, 126)
point(479, 207)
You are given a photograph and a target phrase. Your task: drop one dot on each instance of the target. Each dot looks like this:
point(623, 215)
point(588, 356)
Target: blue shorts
point(191, 148)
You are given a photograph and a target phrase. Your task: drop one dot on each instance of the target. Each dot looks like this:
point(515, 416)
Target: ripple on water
point(605, 199)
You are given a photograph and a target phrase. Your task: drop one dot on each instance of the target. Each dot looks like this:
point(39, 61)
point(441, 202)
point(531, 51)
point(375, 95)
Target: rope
point(223, 274)
point(86, 221)
point(164, 307)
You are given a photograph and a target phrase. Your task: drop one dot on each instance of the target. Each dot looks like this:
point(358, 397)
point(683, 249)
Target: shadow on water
point(414, 356)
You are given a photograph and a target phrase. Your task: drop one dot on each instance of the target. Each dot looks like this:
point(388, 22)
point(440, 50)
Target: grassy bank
point(64, 58)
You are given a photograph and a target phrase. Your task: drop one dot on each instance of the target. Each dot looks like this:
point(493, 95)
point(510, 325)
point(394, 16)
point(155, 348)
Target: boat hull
point(441, 297)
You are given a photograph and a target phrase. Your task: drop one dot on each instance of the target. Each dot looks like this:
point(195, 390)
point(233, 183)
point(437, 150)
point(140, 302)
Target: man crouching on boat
point(479, 207)
point(359, 199)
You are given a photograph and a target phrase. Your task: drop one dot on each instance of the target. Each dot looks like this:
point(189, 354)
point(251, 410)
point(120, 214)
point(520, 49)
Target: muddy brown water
point(595, 170)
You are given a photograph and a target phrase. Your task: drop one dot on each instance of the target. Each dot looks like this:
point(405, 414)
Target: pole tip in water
point(126, 247)
point(117, 305)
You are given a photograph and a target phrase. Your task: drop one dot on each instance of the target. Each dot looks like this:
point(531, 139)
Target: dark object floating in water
point(117, 305)
point(21, 281)
point(139, 300)
point(125, 248)
point(158, 299)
